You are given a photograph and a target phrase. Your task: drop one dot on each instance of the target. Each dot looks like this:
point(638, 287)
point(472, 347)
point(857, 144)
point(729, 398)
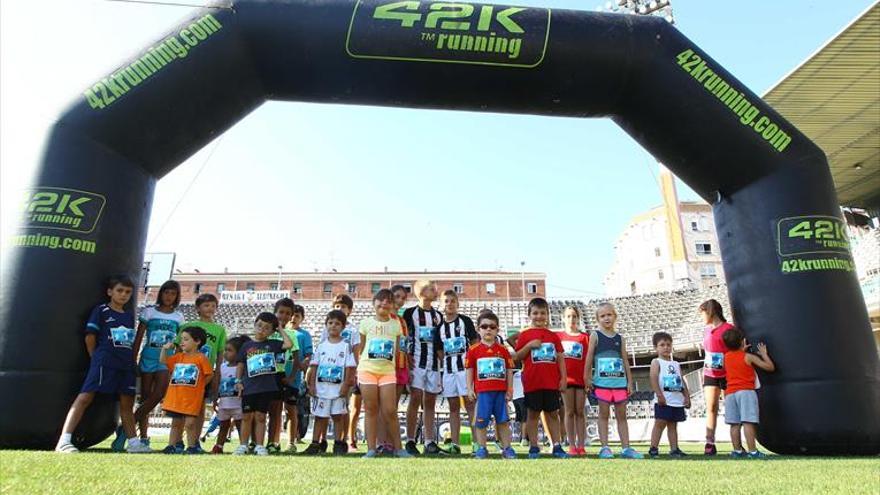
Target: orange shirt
point(740, 375)
point(186, 390)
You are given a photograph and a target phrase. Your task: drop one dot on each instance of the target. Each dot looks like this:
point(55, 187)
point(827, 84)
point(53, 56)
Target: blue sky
point(312, 186)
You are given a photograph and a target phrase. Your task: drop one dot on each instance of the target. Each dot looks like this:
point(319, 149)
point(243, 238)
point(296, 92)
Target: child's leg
point(259, 427)
point(370, 394)
point(224, 432)
point(735, 437)
point(711, 394)
point(470, 406)
point(751, 431)
point(126, 414)
point(238, 424)
point(564, 432)
point(622, 426)
point(672, 435)
point(555, 426)
point(455, 418)
point(579, 434)
point(275, 408)
point(338, 426)
point(320, 429)
point(388, 406)
point(191, 427)
point(292, 423)
point(354, 416)
point(429, 415)
point(568, 399)
point(75, 414)
point(412, 412)
point(157, 384)
point(176, 433)
point(604, 413)
point(657, 432)
point(547, 426)
point(479, 435)
point(146, 392)
point(503, 432)
point(532, 426)
point(246, 428)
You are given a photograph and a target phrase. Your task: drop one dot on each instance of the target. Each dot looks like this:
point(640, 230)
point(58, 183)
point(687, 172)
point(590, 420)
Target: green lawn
point(101, 472)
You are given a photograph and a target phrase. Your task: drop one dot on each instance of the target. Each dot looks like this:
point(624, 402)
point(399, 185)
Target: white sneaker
point(260, 450)
point(241, 450)
point(66, 448)
point(138, 448)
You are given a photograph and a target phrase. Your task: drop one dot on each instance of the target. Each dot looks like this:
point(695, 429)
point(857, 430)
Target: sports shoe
point(757, 455)
point(291, 449)
point(677, 453)
point(195, 450)
point(352, 447)
point(559, 452)
point(474, 448)
point(653, 452)
point(534, 452)
point(145, 441)
point(403, 454)
point(371, 453)
point(66, 448)
point(118, 444)
point(581, 451)
point(323, 446)
point(260, 450)
point(412, 449)
point(710, 449)
point(605, 453)
point(314, 448)
point(179, 445)
point(738, 454)
point(339, 448)
point(240, 450)
point(508, 453)
point(482, 453)
point(273, 448)
point(218, 449)
point(572, 451)
point(631, 453)
point(433, 449)
point(454, 450)
point(169, 449)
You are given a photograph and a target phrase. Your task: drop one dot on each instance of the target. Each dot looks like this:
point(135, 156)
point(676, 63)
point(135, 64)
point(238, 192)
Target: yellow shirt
point(377, 341)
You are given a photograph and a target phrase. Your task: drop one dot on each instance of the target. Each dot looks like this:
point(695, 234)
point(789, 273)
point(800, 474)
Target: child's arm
point(588, 365)
point(526, 349)
point(655, 386)
point(310, 379)
point(687, 394)
point(625, 355)
point(163, 356)
point(347, 381)
point(470, 384)
point(762, 359)
point(563, 377)
point(239, 373)
point(138, 337)
point(509, 394)
point(286, 343)
point(91, 343)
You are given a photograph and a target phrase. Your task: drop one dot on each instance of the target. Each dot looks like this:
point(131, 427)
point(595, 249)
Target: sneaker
point(653, 452)
point(251, 447)
point(240, 450)
point(534, 452)
point(474, 448)
point(412, 449)
point(66, 448)
point(580, 451)
point(339, 448)
point(433, 449)
point(194, 450)
point(757, 455)
point(370, 454)
point(605, 453)
point(482, 453)
point(454, 450)
point(738, 454)
point(388, 449)
point(118, 444)
point(261, 451)
point(179, 446)
point(273, 448)
point(352, 447)
point(710, 449)
point(291, 449)
point(145, 441)
point(559, 452)
point(218, 449)
point(572, 451)
point(323, 446)
point(508, 453)
point(677, 453)
point(402, 453)
point(169, 449)
point(314, 448)
point(631, 453)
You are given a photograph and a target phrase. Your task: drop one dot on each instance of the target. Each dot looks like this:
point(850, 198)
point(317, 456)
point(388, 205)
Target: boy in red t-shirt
point(490, 382)
point(190, 372)
point(543, 376)
point(740, 398)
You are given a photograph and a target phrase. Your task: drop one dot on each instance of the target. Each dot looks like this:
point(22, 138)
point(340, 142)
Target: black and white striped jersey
point(423, 337)
point(456, 337)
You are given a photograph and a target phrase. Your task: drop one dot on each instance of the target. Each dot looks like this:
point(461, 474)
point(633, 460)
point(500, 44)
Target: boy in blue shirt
point(110, 341)
point(294, 378)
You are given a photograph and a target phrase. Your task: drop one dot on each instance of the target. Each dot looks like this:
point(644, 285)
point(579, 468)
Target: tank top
point(671, 382)
point(713, 345)
point(608, 371)
point(740, 375)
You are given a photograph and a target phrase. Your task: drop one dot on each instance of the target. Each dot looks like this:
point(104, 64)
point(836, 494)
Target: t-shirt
point(575, 348)
point(423, 338)
point(713, 346)
point(115, 337)
point(489, 365)
point(740, 374)
point(161, 329)
point(609, 370)
point(540, 370)
point(216, 335)
point(227, 396)
point(377, 355)
point(331, 360)
point(455, 339)
point(282, 357)
point(670, 381)
point(259, 366)
point(304, 340)
point(186, 390)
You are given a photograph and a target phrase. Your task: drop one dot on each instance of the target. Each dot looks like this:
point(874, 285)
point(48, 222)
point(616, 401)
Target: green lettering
point(387, 12)
point(93, 99)
point(509, 24)
point(684, 56)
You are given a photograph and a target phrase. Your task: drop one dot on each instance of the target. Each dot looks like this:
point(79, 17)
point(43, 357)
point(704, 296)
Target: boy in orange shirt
point(740, 398)
point(184, 400)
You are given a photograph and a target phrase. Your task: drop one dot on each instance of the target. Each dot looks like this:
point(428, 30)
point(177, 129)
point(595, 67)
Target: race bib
point(455, 345)
point(261, 364)
point(672, 383)
point(186, 374)
point(159, 338)
point(714, 360)
point(490, 368)
point(544, 354)
point(573, 350)
point(381, 349)
point(610, 367)
point(330, 373)
point(122, 337)
point(425, 334)
point(227, 387)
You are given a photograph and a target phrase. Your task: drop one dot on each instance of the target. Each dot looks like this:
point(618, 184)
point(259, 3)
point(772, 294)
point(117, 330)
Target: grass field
point(98, 471)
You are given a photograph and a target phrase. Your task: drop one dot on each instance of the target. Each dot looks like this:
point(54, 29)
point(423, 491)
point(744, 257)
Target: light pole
point(522, 272)
point(278, 287)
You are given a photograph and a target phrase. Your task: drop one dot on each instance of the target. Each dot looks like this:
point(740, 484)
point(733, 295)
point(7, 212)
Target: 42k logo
point(451, 16)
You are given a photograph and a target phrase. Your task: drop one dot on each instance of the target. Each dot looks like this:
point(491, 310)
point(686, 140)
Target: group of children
point(250, 381)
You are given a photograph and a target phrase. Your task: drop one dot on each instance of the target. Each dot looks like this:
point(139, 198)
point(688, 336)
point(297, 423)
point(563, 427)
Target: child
point(294, 383)
point(400, 295)
point(160, 323)
point(344, 303)
point(740, 398)
point(671, 395)
point(330, 376)
point(607, 372)
point(257, 380)
point(456, 335)
point(110, 342)
point(543, 376)
point(284, 312)
point(422, 322)
point(575, 343)
point(228, 403)
point(376, 371)
point(206, 308)
point(489, 378)
point(713, 367)
point(185, 400)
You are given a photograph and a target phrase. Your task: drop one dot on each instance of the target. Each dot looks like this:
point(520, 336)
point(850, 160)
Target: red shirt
point(713, 346)
point(489, 365)
point(540, 370)
point(575, 348)
point(740, 374)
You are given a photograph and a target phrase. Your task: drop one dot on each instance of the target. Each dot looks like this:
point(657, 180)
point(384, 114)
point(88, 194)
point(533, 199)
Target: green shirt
point(281, 361)
point(216, 343)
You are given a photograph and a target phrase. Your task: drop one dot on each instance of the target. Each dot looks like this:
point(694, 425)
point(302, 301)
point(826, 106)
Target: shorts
point(426, 380)
point(289, 395)
point(367, 378)
point(455, 384)
point(542, 400)
point(104, 380)
point(152, 366)
point(402, 376)
point(325, 408)
point(519, 409)
point(669, 413)
point(611, 395)
point(177, 415)
point(229, 413)
point(258, 402)
point(710, 381)
point(491, 404)
point(279, 380)
point(576, 386)
point(741, 407)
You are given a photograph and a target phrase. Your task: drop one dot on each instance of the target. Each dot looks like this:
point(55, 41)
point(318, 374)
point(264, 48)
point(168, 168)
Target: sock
point(754, 451)
point(65, 438)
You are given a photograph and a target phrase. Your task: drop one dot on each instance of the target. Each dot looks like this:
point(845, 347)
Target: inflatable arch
point(786, 255)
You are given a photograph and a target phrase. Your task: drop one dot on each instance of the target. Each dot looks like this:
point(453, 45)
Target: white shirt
point(227, 397)
point(331, 360)
point(671, 382)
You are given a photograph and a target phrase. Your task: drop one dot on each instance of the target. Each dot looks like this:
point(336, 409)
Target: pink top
point(713, 346)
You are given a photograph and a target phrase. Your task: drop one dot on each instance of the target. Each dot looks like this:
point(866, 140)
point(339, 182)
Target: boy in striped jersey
point(422, 322)
point(457, 334)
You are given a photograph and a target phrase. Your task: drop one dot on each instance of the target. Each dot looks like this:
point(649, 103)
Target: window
point(297, 288)
point(351, 287)
point(221, 288)
point(375, 287)
point(250, 286)
point(490, 288)
point(695, 227)
point(458, 288)
point(328, 288)
point(707, 271)
point(657, 252)
point(532, 288)
point(704, 248)
point(273, 286)
point(660, 274)
point(197, 288)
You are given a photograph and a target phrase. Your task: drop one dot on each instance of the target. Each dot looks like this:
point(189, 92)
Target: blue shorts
point(104, 380)
point(151, 365)
point(491, 404)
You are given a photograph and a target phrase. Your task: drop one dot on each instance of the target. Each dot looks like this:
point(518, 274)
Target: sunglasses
point(487, 326)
